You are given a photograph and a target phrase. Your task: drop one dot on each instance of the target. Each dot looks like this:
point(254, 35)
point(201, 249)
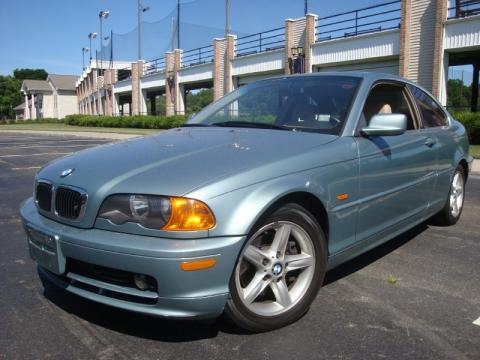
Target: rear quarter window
point(431, 112)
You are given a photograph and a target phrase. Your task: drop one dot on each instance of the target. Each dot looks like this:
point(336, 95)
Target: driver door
point(397, 173)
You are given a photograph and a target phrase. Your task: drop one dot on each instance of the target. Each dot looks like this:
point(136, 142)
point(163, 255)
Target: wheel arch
point(303, 198)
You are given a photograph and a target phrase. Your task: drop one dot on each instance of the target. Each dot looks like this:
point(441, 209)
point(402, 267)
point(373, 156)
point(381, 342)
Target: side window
point(432, 114)
point(387, 99)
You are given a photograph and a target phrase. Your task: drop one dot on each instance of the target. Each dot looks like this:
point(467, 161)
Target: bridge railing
point(465, 8)
point(154, 66)
point(198, 56)
point(260, 42)
point(366, 20)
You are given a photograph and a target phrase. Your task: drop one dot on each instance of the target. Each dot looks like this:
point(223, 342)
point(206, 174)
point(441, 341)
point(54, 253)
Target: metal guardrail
point(198, 56)
point(366, 20)
point(465, 8)
point(154, 66)
point(260, 42)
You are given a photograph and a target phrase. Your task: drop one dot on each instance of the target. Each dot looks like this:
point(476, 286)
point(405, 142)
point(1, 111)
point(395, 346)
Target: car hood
point(177, 161)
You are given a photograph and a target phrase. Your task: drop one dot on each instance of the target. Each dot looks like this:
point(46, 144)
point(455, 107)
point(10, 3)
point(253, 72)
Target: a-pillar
point(219, 53)
point(34, 108)
point(311, 23)
point(137, 73)
point(169, 83)
point(476, 71)
point(26, 113)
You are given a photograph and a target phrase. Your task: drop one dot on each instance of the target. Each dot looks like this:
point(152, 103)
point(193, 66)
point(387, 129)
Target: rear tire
point(279, 271)
point(452, 210)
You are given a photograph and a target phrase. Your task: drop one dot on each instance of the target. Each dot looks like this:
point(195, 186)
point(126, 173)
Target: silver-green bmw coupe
point(243, 209)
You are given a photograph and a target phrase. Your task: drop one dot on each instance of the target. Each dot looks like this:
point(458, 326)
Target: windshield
point(313, 103)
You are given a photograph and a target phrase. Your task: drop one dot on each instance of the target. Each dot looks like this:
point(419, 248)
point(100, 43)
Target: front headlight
point(158, 212)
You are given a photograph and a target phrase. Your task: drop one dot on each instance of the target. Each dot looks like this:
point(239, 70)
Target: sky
point(50, 34)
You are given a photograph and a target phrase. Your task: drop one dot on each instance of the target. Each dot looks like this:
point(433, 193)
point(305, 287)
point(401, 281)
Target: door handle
point(430, 142)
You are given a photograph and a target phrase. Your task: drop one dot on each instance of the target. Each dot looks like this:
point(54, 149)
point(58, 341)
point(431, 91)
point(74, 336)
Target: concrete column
point(115, 101)
point(169, 83)
point(229, 56)
point(219, 52)
point(288, 45)
point(34, 107)
point(26, 112)
point(311, 22)
point(438, 69)
point(405, 38)
point(476, 73)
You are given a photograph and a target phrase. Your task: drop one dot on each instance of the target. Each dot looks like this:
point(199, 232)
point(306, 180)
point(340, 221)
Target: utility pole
point(227, 17)
point(102, 15)
point(178, 24)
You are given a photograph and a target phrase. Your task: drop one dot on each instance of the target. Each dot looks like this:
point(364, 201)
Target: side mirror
point(386, 125)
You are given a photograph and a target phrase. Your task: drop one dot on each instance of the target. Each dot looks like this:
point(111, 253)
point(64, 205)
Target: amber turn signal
point(342, 197)
point(189, 215)
point(198, 264)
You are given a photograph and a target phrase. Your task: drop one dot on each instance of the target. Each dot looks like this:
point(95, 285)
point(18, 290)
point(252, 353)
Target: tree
point(458, 94)
point(10, 95)
point(30, 74)
point(196, 101)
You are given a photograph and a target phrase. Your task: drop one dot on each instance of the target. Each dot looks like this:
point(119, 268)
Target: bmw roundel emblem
point(66, 173)
point(277, 269)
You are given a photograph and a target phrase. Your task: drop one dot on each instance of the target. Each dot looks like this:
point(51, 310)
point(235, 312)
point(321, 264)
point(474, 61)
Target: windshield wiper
point(249, 124)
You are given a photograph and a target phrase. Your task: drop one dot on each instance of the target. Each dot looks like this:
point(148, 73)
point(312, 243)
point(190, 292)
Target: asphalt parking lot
point(418, 296)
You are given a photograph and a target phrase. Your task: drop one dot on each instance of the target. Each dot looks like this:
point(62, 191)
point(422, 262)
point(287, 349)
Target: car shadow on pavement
point(161, 329)
point(135, 324)
point(373, 255)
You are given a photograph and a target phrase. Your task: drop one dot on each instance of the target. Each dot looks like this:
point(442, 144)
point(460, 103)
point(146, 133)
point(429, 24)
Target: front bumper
point(180, 294)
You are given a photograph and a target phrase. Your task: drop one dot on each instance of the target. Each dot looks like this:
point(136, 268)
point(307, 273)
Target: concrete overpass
point(416, 39)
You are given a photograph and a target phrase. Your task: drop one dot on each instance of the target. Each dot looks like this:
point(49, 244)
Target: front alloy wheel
point(278, 272)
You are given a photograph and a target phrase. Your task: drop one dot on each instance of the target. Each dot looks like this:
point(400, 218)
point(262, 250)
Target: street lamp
point(84, 50)
point(91, 36)
point(140, 10)
point(102, 15)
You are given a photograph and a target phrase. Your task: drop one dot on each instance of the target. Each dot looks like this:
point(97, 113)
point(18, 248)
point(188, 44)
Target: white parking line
point(27, 168)
point(477, 322)
point(39, 146)
point(24, 155)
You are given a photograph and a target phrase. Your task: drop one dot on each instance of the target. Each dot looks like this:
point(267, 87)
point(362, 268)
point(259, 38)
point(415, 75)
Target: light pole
point(140, 10)
point(102, 15)
point(178, 24)
point(91, 36)
point(306, 7)
point(84, 50)
point(227, 17)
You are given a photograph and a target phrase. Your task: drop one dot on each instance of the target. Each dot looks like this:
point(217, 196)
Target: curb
point(476, 167)
point(95, 135)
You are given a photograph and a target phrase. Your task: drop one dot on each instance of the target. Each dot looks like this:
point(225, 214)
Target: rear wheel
point(279, 271)
point(452, 210)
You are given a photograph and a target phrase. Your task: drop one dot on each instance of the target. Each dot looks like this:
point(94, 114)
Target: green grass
point(63, 127)
point(475, 151)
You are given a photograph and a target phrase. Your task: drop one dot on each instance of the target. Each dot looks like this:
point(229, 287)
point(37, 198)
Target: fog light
point(140, 281)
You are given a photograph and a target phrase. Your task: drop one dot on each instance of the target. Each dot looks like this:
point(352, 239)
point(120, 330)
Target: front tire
point(279, 271)
point(452, 210)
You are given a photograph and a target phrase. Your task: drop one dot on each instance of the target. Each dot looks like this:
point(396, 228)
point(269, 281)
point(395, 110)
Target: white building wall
point(387, 67)
point(67, 104)
point(263, 62)
point(360, 48)
point(196, 73)
point(48, 106)
point(462, 33)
